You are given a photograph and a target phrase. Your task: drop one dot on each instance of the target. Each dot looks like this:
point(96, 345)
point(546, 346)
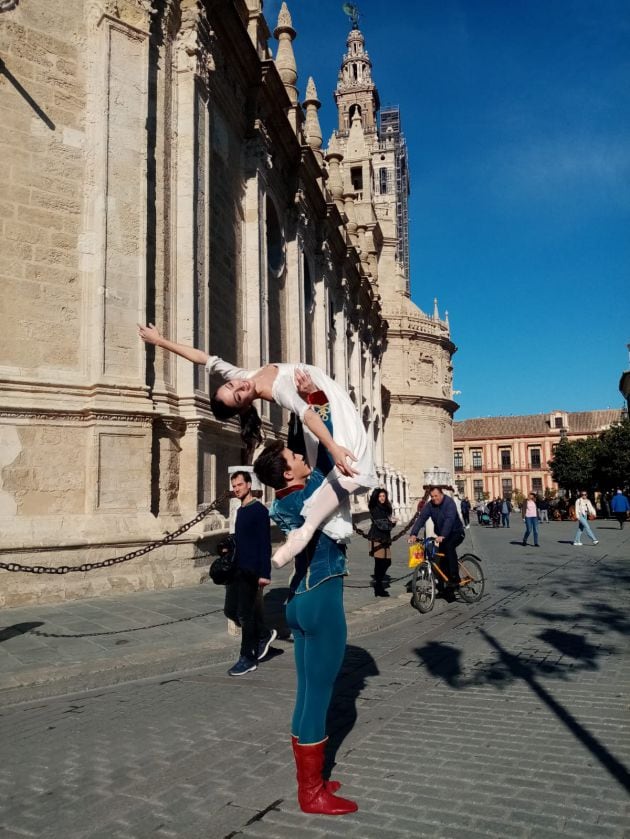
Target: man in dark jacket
point(449, 532)
point(252, 535)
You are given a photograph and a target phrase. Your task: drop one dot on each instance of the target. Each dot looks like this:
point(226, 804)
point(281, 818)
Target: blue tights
point(319, 630)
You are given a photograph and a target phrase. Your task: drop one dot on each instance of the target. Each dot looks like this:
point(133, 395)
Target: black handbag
point(223, 568)
point(383, 524)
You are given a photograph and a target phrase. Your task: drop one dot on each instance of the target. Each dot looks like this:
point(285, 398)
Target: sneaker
point(578, 543)
point(265, 643)
point(242, 666)
point(596, 541)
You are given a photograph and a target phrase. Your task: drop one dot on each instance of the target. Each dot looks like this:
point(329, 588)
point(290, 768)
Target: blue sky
point(518, 127)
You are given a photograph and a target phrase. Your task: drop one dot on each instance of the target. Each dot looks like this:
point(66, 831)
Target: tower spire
point(312, 129)
point(356, 92)
point(285, 57)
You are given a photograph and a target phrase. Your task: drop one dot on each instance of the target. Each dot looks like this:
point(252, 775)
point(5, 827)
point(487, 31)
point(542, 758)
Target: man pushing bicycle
point(449, 530)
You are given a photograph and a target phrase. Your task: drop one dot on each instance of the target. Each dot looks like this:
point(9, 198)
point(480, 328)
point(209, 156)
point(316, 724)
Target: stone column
point(340, 348)
point(113, 241)
point(191, 190)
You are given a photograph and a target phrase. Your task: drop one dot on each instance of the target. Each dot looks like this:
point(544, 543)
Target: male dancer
point(314, 611)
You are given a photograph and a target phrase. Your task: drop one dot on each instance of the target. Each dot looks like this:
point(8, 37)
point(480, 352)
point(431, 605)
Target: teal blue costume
point(315, 608)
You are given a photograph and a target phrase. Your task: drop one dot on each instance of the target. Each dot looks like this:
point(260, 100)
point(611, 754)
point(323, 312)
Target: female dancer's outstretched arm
point(151, 335)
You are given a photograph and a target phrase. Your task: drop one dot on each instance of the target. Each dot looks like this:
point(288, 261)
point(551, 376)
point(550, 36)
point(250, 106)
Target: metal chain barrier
point(116, 560)
point(395, 538)
point(402, 533)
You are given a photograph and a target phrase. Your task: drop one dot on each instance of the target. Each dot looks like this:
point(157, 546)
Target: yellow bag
point(416, 554)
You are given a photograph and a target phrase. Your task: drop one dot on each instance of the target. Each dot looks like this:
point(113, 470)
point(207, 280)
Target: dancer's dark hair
point(270, 465)
point(251, 423)
point(374, 502)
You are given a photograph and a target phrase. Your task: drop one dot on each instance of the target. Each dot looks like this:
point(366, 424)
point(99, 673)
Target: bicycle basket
point(416, 554)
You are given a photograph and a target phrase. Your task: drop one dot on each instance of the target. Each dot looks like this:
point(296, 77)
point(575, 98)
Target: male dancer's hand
point(303, 382)
point(341, 456)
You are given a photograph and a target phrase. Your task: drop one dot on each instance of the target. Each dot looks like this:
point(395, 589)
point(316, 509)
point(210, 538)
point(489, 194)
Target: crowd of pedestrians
point(535, 510)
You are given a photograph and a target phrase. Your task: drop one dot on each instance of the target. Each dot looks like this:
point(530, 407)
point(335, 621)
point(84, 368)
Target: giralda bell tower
point(417, 367)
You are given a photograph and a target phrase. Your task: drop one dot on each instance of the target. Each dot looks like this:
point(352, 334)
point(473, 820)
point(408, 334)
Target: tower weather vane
point(353, 13)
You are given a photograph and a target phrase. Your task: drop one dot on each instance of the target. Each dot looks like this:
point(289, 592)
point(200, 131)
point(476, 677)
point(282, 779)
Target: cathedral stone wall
point(157, 167)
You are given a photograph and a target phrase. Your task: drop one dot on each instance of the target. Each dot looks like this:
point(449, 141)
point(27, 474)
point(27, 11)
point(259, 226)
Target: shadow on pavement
point(444, 661)
point(524, 672)
point(18, 629)
point(119, 631)
point(358, 665)
point(274, 607)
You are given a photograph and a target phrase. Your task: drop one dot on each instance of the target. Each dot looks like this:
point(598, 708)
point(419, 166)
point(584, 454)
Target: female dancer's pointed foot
point(297, 540)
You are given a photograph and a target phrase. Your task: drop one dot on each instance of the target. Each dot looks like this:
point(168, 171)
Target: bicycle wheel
point(472, 580)
point(423, 588)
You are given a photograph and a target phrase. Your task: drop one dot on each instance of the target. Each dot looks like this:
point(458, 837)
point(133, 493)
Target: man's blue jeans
point(505, 518)
point(531, 525)
point(583, 525)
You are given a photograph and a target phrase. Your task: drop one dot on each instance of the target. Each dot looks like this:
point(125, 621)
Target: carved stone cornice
point(72, 418)
point(195, 43)
point(448, 405)
point(258, 149)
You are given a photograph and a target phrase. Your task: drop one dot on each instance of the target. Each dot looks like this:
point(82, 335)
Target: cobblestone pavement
point(103, 640)
point(508, 718)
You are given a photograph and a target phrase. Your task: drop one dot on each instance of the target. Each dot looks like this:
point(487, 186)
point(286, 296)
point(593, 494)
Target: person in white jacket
point(584, 509)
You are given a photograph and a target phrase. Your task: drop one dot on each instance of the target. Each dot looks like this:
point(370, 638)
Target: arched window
point(383, 180)
point(275, 243)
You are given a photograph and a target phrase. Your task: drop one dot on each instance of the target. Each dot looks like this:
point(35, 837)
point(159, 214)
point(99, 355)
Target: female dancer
point(276, 383)
point(380, 538)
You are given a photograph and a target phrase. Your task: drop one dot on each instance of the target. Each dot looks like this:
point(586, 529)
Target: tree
point(573, 464)
point(518, 498)
point(612, 460)
point(595, 463)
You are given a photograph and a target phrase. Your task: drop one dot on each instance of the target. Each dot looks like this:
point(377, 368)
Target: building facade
point(158, 166)
point(498, 456)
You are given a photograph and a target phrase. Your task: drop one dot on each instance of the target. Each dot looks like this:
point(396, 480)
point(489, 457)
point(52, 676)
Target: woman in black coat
point(380, 538)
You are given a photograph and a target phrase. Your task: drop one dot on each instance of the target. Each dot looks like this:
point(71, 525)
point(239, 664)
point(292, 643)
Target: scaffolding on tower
point(390, 130)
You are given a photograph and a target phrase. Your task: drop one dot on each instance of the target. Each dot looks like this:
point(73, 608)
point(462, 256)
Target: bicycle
point(426, 575)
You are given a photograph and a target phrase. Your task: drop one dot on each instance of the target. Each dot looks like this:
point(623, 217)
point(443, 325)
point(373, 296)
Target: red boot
point(331, 786)
point(313, 796)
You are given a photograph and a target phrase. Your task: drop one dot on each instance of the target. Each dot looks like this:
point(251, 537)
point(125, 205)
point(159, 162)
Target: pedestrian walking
point(530, 517)
point(380, 538)
point(506, 509)
point(466, 512)
point(495, 512)
point(583, 511)
point(620, 506)
point(243, 596)
point(543, 510)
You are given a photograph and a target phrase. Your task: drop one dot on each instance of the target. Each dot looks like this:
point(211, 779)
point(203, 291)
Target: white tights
point(328, 499)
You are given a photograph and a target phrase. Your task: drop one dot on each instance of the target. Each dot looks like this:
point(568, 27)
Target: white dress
point(348, 430)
